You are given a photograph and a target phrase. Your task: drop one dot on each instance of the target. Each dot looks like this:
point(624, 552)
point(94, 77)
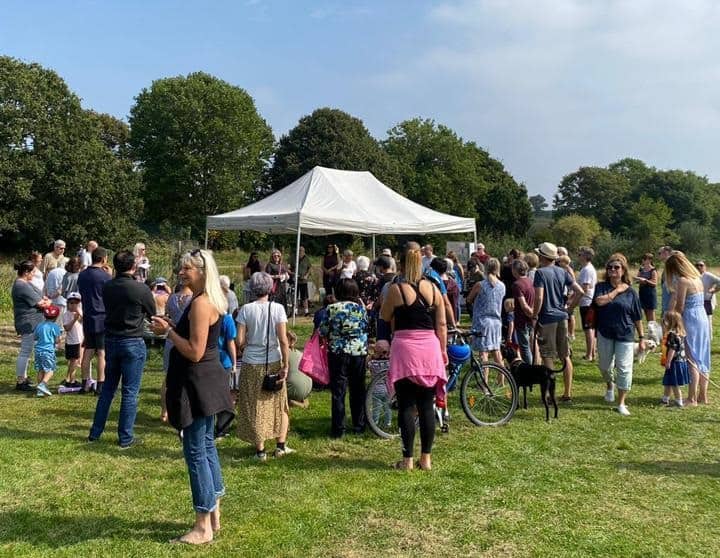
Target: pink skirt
point(415, 354)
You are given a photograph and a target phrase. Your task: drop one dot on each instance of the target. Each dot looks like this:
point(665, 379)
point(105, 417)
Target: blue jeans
point(523, 338)
point(124, 360)
point(206, 482)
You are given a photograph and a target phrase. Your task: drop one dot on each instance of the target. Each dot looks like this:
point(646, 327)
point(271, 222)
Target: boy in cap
point(72, 322)
point(47, 338)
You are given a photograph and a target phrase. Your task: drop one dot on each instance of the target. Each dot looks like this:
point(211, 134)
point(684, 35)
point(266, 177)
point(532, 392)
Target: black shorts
point(94, 340)
point(708, 307)
point(303, 291)
point(72, 351)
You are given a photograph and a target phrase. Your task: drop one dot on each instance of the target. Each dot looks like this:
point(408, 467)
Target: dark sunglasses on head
point(198, 252)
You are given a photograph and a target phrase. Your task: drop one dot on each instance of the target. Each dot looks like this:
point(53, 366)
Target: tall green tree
point(574, 231)
point(538, 203)
point(594, 192)
point(201, 145)
point(58, 178)
point(329, 138)
point(440, 170)
point(651, 226)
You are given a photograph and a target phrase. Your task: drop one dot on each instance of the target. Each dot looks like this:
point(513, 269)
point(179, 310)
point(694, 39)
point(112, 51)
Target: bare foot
point(425, 462)
point(194, 536)
point(690, 403)
point(215, 518)
point(404, 465)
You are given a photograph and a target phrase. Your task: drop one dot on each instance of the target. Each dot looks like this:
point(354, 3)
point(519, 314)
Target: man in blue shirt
point(551, 312)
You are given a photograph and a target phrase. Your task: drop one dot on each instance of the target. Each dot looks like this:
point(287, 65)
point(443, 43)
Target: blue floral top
point(346, 328)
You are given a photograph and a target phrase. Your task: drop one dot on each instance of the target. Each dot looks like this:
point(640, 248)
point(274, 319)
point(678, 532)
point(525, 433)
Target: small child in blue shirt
point(47, 339)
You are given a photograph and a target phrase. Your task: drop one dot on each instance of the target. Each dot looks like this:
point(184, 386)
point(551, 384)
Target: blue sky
point(544, 86)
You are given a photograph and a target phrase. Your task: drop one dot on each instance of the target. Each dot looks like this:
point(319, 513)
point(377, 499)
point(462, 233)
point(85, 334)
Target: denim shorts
point(45, 361)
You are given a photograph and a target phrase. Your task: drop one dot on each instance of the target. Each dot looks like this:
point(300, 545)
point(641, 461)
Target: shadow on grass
point(673, 468)
point(57, 530)
point(236, 458)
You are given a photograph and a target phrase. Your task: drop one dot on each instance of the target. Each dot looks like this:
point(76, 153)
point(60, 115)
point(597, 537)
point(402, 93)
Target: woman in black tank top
point(418, 355)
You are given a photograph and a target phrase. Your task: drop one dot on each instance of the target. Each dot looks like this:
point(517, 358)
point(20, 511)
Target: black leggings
point(411, 396)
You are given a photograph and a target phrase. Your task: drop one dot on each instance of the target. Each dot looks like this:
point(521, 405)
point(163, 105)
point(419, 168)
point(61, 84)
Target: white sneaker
point(283, 452)
point(42, 387)
point(610, 395)
point(623, 410)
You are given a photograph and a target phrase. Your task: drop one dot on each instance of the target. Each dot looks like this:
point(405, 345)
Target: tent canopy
point(325, 201)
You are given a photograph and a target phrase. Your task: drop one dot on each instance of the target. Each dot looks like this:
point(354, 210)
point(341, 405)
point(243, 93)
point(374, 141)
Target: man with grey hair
point(54, 259)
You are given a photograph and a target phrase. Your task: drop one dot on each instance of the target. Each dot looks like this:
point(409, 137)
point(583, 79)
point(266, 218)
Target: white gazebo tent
point(326, 201)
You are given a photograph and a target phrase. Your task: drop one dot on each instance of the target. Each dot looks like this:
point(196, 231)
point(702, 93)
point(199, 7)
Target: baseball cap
point(74, 296)
point(51, 311)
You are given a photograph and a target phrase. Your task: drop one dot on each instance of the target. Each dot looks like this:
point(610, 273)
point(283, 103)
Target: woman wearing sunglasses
point(619, 316)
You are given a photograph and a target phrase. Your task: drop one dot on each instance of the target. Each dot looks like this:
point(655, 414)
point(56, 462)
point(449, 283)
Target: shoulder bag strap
point(267, 339)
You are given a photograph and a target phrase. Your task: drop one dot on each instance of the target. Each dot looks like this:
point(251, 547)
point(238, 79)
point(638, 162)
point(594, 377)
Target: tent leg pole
point(297, 263)
point(373, 246)
point(475, 236)
point(206, 238)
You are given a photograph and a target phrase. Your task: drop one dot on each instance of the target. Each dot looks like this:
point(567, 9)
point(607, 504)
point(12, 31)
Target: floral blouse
point(346, 328)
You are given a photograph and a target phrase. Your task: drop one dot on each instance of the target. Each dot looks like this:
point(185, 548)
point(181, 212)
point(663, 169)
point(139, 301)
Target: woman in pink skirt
point(418, 355)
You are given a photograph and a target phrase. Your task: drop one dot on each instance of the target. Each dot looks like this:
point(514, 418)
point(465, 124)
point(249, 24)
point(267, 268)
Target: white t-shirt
point(85, 258)
point(588, 275)
point(75, 336)
point(348, 270)
point(254, 317)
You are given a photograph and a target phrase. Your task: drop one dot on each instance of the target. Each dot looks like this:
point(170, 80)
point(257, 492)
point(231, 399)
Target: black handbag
point(271, 382)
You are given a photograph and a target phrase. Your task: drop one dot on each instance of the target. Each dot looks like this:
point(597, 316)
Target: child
point(47, 338)
point(72, 322)
point(676, 367)
point(227, 350)
point(509, 321)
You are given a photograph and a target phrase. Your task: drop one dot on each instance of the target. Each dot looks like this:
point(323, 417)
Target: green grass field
point(589, 484)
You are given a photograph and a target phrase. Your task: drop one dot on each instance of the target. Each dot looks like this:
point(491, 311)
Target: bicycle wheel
point(381, 409)
point(488, 394)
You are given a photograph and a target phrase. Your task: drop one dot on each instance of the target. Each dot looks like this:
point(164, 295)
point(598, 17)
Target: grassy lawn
point(589, 484)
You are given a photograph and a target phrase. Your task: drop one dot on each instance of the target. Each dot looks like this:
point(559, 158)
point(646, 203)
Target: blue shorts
point(45, 362)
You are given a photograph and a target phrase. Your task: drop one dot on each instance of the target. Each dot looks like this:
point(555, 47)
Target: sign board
point(462, 250)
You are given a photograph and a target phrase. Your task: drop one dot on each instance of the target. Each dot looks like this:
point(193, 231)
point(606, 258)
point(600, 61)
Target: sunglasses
point(198, 252)
point(613, 267)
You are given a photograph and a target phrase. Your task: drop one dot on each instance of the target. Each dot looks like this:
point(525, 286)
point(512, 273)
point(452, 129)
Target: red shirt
point(523, 287)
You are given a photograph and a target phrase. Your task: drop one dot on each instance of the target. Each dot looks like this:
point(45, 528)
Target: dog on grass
point(641, 356)
point(528, 375)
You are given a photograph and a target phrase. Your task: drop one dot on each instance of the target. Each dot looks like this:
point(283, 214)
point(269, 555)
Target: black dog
point(527, 375)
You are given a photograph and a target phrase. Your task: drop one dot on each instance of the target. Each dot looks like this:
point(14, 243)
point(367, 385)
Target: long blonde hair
point(677, 265)
point(672, 321)
point(203, 261)
point(413, 266)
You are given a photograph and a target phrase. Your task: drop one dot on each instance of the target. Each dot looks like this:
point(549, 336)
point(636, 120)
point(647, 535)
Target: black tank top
point(418, 315)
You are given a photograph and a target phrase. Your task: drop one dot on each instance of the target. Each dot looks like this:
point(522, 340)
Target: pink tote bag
point(314, 361)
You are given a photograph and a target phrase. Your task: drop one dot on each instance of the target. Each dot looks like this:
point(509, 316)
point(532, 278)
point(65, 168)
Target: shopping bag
point(314, 360)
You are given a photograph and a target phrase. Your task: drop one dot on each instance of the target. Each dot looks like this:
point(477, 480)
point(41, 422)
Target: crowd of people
point(233, 358)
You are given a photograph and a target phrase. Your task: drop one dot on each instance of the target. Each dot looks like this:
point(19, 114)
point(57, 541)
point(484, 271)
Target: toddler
point(72, 323)
point(676, 366)
point(47, 338)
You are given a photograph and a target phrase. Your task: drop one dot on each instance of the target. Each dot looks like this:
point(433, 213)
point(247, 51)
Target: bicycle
point(488, 392)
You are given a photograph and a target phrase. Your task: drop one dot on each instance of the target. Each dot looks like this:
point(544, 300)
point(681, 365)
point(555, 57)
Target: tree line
point(196, 145)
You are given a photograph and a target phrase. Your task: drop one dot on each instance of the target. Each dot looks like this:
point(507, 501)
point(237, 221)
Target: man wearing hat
point(550, 312)
point(386, 252)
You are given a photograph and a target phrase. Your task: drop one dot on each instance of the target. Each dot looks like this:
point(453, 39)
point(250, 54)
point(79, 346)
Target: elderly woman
point(142, 263)
point(619, 315)
point(687, 298)
point(417, 355)
point(486, 298)
point(366, 280)
point(345, 326)
point(279, 273)
point(229, 294)
point(198, 390)
point(28, 304)
point(262, 338)
point(347, 267)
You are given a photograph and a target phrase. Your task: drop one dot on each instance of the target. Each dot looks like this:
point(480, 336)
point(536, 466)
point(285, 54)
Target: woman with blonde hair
point(141, 262)
point(487, 298)
point(418, 355)
point(687, 298)
point(198, 393)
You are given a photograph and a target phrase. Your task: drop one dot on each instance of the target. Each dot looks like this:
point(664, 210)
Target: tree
point(651, 224)
point(634, 170)
point(594, 192)
point(438, 169)
point(57, 176)
point(574, 231)
point(538, 203)
point(688, 195)
point(329, 138)
point(201, 145)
